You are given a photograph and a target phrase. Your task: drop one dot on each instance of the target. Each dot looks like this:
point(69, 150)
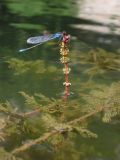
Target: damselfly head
point(64, 33)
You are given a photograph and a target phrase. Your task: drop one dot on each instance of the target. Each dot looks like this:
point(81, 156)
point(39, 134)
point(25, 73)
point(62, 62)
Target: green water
point(20, 20)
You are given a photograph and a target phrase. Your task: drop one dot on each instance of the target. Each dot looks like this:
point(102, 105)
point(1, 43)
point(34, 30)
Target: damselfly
point(38, 40)
point(64, 39)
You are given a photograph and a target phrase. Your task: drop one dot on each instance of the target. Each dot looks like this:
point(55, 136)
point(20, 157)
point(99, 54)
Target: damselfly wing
point(42, 39)
point(38, 40)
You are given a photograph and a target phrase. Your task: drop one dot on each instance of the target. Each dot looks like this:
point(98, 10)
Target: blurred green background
point(39, 70)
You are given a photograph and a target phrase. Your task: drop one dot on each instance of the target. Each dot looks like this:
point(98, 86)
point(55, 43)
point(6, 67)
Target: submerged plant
point(52, 121)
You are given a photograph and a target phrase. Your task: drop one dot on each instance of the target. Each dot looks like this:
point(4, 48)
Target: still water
point(20, 20)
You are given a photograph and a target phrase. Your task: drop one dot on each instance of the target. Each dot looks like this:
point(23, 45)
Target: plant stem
point(53, 132)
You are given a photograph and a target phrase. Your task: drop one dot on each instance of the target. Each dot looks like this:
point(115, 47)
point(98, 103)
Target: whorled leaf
point(85, 132)
point(22, 66)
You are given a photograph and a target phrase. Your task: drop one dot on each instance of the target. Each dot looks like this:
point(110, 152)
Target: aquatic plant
point(57, 121)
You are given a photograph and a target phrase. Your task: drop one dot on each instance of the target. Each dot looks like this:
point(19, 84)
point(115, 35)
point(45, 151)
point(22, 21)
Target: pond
point(39, 70)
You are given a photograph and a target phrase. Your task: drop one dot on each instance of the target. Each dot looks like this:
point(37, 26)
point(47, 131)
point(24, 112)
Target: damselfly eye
point(64, 33)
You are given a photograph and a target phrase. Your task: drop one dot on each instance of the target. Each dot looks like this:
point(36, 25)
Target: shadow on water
point(54, 21)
